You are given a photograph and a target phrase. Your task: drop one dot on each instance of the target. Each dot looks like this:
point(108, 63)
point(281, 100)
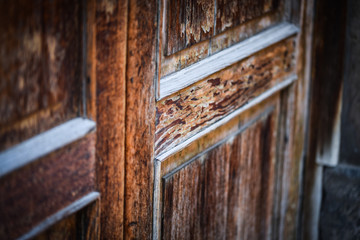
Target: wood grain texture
point(140, 118)
point(231, 13)
point(205, 140)
point(181, 79)
point(185, 113)
point(40, 66)
point(32, 193)
point(43, 144)
point(111, 37)
point(90, 69)
point(226, 192)
point(79, 220)
point(171, 28)
point(188, 22)
point(295, 104)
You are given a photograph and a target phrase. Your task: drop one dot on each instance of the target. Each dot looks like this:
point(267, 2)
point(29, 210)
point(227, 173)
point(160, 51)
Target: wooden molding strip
point(183, 78)
point(63, 213)
point(252, 103)
point(43, 144)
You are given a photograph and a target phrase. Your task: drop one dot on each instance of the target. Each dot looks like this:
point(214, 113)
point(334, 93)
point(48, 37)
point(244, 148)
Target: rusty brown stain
point(214, 82)
point(208, 100)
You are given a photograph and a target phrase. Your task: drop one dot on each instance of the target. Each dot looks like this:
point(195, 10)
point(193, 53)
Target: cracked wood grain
point(183, 114)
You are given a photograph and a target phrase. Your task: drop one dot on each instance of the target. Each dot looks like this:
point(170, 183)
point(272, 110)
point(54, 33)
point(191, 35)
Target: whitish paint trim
point(65, 212)
point(224, 120)
point(183, 78)
point(156, 204)
point(43, 144)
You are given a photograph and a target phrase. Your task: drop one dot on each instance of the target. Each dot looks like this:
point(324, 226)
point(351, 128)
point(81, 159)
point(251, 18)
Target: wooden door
point(230, 117)
point(47, 130)
point(164, 119)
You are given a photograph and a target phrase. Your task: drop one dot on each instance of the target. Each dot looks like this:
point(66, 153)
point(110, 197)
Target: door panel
point(228, 106)
point(47, 162)
point(187, 112)
point(226, 192)
point(190, 118)
point(41, 67)
point(193, 30)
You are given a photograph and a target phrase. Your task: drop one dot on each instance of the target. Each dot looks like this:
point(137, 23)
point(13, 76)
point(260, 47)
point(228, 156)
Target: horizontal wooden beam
point(183, 78)
point(43, 144)
point(224, 120)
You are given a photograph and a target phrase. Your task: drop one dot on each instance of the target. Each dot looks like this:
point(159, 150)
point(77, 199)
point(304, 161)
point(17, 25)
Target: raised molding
point(63, 213)
point(183, 78)
point(289, 80)
point(43, 144)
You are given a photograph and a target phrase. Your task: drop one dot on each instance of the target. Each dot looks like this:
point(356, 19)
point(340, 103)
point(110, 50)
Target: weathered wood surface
point(192, 21)
point(79, 220)
point(212, 136)
point(187, 112)
point(43, 144)
point(188, 22)
point(231, 13)
point(34, 192)
point(177, 52)
point(40, 66)
point(111, 37)
point(225, 193)
point(294, 112)
point(181, 79)
point(140, 119)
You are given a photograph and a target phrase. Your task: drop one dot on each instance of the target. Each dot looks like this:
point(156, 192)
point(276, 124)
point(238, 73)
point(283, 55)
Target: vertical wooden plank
point(327, 74)
point(295, 104)
point(329, 48)
point(140, 118)
point(90, 78)
point(111, 37)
